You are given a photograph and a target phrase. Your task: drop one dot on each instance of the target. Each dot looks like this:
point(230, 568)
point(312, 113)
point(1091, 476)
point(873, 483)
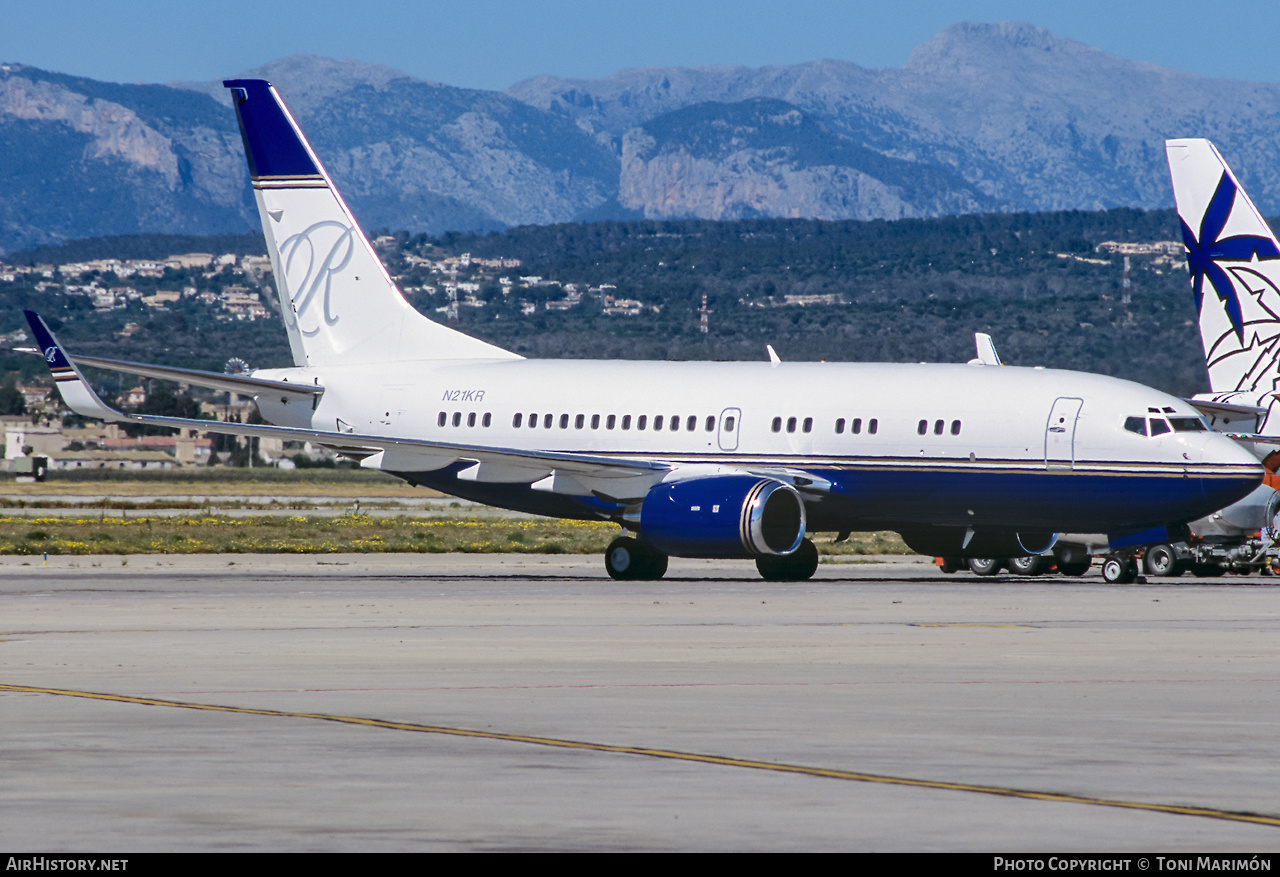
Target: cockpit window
point(1155, 424)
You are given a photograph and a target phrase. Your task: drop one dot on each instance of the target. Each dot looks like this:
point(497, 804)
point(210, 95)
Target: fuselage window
point(675, 423)
point(922, 427)
point(791, 424)
point(711, 423)
point(533, 421)
point(579, 421)
point(1136, 424)
point(691, 423)
point(641, 421)
point(488, 419)
point(516, 421)
point(777, 424)
point(955, 427)
point(440, 421)
point(546, 421)
point(457, 418)
point(657, 422)
point(471, 419)
point(855, 426)
point(872, 426)
point(839, 425)
point(626, 421)
point(808, 424)
point(610, 421)
point(564, 421)
point(595, 421)
point(937, 427)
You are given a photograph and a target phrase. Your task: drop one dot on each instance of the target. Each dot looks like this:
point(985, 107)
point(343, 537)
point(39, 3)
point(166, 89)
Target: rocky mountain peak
point(971, 45)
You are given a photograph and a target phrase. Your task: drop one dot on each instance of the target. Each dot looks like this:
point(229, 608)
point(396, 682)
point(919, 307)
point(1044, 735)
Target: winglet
point(75, 390)
point(986, 349)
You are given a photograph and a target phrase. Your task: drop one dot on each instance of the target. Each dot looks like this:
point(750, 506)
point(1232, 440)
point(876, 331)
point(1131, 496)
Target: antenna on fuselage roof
point(774, 359)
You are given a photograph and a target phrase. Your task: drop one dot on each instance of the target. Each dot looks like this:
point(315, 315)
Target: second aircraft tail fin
point(1234, 261)
point(338, 302)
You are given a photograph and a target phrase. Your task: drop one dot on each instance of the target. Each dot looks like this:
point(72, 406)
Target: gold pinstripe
point(744, 520)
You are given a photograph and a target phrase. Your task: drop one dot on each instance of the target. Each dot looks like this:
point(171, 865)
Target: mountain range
point(982, 118)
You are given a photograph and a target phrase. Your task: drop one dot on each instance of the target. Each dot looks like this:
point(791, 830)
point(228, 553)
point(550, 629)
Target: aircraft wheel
point(655, 566)
point(628, 559)
point(798, 566)
point(1078, 568)
point(1119, 570)
point(1028, 566)
point(985, 566)
point(1161, 560)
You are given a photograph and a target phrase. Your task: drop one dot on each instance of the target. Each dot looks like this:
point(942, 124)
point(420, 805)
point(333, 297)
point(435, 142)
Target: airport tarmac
point(502, 702)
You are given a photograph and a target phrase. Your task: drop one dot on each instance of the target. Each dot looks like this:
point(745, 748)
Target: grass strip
point(344, 534)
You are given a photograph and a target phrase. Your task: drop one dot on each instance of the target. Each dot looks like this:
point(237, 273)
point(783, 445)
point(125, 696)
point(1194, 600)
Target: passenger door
point(1060, 433)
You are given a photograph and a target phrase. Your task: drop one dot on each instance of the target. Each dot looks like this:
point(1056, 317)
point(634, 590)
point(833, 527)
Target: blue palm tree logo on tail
point(1203, 252)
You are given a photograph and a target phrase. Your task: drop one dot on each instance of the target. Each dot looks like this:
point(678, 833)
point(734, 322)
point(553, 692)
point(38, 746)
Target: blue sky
point(493, 43)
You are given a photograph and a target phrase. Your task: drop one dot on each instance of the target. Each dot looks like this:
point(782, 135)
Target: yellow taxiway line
point(671, 754)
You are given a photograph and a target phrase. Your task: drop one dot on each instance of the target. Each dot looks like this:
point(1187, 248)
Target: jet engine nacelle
point(723, 516)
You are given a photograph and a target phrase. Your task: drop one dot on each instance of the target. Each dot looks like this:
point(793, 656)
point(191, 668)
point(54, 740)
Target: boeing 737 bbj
point(694, 459)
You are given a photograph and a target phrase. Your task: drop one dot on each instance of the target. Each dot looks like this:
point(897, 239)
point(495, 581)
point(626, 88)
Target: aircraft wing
point(1225, 410)
point(1253, 439)
point(617, 479)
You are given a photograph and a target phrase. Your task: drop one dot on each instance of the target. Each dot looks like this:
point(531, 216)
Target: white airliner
point(695, 459)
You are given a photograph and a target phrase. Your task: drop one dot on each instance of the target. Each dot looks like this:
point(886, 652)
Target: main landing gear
point(629, 559)
point(1034, 565)
point(798, 566)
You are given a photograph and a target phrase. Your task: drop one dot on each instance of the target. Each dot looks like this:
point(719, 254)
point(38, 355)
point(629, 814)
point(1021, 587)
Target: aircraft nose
point(1231, 470)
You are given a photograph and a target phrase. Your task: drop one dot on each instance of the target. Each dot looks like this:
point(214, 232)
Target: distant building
point(1158, 248)
point(191, 260)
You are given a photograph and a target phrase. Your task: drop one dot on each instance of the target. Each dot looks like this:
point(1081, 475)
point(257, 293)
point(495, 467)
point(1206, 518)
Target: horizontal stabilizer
point(244, 385)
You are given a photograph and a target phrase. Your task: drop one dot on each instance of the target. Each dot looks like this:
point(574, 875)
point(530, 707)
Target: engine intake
point(723, 516)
